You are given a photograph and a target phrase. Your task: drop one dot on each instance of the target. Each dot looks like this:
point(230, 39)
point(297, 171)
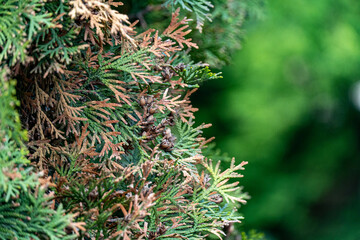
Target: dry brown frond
point(102, 18)
point(177, 30)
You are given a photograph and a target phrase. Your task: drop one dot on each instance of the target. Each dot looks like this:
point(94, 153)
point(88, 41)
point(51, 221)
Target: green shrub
point(110, 127)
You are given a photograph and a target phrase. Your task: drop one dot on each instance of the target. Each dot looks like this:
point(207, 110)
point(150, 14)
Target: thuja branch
point(111, 134)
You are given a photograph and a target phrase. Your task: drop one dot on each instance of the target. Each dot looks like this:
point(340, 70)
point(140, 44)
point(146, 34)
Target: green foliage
point(10, 156)
point(224, 33)
point(288, 109)
point(30, 218)
point(10, 122)
point(197, 74)
point(20, 21)
point(252, 235)
point(200, 8)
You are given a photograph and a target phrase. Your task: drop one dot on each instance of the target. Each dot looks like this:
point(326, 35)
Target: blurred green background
point(289, 104)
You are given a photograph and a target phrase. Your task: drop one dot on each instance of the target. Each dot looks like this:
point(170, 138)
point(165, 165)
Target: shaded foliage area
point(223, 19)
point(25, 209)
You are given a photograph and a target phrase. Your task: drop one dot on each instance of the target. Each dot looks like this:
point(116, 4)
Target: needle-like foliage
point(111, 135)
point(200, 8)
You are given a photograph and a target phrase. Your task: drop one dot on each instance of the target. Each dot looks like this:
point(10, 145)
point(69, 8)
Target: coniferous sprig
point(20, 22)
point(111, 128)
point(201, 9)
point(224, 33)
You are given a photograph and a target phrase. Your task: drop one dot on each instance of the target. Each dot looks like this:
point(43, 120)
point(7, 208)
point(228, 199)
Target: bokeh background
point(289, 104)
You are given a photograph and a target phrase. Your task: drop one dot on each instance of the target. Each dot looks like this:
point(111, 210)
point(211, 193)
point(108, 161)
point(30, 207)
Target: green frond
point(220, 181)
point(200, 8)
point(20, 22)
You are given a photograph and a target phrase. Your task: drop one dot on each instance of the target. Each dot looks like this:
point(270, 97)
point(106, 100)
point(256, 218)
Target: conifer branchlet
point(110, 126)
